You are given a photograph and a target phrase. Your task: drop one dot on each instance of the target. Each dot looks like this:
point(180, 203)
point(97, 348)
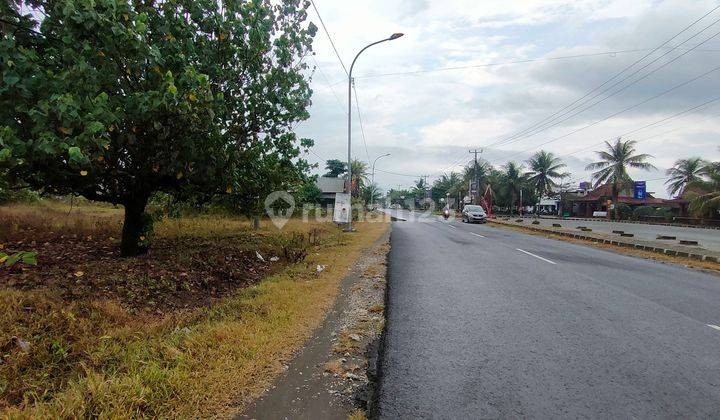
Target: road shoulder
point(328, 378)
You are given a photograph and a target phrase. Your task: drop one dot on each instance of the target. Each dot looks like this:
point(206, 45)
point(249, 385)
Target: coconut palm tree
point(613, 166)
point(479, 172)
point(544, 168)
point(684, 172)
point(370, 193)
point(514, 180)
point(359, 175)
point(704, 193)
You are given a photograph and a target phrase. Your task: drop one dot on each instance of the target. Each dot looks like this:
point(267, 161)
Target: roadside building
point(583, 203)
point(548, 205)
point(329, 187)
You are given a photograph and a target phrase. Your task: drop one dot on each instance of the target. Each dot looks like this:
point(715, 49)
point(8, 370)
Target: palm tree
point(614, 163)
point(704, 193)
point(359, 175)
point(370, 193)
point(684, 172)
point(514, 180)
point(544, 169)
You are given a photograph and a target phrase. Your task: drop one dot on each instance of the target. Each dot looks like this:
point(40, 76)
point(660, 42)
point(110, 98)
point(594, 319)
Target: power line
point(362, 129)
point(612, 78)
point(518, 61)
point(620, 112)
point(574, 110)
point(322, 73)
point(654, 135)
point(398, 174)
point(328, 35)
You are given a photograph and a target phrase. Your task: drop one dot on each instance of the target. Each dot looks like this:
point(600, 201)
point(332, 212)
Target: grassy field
point(196, 328)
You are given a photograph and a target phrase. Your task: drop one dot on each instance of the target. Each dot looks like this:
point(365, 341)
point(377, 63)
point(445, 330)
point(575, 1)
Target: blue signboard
point(640, 190)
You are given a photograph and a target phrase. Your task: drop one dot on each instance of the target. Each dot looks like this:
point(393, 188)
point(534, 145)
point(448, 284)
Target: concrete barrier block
point(670, 252)
point(711, 258)
point(682, 254)
point(687, 242)
point(666, 237)
point(618, 231)
point(627, 235)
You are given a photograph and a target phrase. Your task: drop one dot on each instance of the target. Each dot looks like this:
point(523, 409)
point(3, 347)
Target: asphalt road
point(491, 323)
point(708, 238)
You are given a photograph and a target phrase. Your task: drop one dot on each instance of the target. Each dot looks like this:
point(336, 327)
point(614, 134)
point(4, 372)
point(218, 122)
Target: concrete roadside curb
point(700, 256)
point(639, 222)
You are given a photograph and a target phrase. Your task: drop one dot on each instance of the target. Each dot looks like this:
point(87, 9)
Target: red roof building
point(597, 200)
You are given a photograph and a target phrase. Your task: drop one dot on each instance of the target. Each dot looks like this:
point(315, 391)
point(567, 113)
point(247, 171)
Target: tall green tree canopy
point(513, 181)
point(614, 163)
point(544, 169)
point(684, 172)
point(704, 192)
point(335, 168)
point(117, 99)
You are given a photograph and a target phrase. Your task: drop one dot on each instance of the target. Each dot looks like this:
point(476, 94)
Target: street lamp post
point(372, 198)
point(349, 159)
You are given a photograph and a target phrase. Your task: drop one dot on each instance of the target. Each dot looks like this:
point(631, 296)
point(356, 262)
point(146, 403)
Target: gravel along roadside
point(332, 377)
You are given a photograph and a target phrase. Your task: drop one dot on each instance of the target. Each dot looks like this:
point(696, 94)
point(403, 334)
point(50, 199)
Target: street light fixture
point(372, 198)
point(350, 81)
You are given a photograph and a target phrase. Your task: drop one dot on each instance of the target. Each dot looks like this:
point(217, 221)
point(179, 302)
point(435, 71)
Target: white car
point(472, 213)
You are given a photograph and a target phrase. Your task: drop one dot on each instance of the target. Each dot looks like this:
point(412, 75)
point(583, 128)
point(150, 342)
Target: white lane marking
point(477, 234)
point(536, 256)
point(713, 327)
point(452, 226)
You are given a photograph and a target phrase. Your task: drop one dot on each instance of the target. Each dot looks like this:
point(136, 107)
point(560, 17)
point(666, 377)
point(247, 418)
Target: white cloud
point(429, 120)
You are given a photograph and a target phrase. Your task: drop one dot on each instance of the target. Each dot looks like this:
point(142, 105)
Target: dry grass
point(377, 308)
point(673, 259)
point(334, 366)
point(94, 358)
point(357, 415)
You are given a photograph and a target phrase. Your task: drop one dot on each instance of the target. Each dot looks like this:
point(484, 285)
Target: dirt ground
point(331, 377)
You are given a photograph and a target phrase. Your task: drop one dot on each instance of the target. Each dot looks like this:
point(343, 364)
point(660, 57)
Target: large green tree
point(513, 180)
point(704, 193)
point(613, 166)
point(684, 172)
point(544, 169)
point(335, 168)
point(115, 100)
point(359, 176)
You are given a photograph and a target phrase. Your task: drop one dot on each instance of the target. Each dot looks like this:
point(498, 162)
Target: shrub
point(624, 211)
point(642, 211)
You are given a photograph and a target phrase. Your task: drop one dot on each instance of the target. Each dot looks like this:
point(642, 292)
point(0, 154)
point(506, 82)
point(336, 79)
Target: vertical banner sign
point(640, 189)
point(343, 209)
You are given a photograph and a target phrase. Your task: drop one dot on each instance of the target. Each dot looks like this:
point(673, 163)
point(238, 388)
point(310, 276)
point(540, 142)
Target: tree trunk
point(256, 222)
point(135, 228)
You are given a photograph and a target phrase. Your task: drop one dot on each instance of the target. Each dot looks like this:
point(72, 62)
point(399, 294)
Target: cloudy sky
point(482, 74)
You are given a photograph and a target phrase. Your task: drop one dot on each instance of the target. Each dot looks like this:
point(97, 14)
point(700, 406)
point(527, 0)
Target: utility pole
point(477, 179)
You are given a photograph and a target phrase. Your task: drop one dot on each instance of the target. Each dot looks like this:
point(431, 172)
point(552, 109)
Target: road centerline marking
point(477, 234)
point(715, 327)
point(536, 256)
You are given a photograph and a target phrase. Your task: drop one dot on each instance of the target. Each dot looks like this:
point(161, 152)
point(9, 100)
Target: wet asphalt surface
point(485, 322)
